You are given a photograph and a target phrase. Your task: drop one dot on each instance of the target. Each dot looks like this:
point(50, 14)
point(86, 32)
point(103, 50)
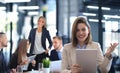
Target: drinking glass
point(40, 66)
point(19, 69)
point(24, 67)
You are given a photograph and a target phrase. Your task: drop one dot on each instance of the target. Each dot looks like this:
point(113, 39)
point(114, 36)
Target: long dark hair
point(21, 49)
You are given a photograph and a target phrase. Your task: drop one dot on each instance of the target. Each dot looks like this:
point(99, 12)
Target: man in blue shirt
point(56, 53)
point(3, 43)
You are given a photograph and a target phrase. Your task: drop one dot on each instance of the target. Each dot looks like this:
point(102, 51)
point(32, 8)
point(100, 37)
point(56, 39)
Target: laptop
point(87, 58)
point(55, 66)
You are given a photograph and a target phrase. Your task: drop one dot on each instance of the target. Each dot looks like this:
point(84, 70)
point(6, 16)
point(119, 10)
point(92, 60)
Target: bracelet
point(109, 57)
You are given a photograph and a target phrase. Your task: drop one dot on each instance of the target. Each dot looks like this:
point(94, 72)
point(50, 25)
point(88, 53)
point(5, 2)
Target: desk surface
point(55, 67)
point(35, 71)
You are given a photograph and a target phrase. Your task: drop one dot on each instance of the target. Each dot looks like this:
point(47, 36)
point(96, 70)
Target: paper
point(55, 66)
point(31, 58)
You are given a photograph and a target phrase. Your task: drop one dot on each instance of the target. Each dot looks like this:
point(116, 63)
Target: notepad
point(55, 66)
point(87, 58)
point(31, 58)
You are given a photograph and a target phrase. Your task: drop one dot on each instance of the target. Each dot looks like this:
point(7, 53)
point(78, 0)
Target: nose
point(80, 32)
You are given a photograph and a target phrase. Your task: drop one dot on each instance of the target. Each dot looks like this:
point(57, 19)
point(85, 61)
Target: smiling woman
point(37, 39)
point(82, 39)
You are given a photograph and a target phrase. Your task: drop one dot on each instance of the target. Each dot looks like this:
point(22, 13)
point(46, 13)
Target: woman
point(20, 56)
point(81, 38)
point(37, 38)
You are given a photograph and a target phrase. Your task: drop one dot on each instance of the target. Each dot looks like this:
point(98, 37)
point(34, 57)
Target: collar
point(60, 49)
point(81, 47)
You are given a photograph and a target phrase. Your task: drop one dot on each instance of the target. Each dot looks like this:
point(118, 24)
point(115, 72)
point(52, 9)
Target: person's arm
point(13, 62)
point(104, 62)
point(54, 55)
point(31, 65)
point(110, 50)
point(13, 71)
point(29, 37)
point(65, 66)
point(51, 55)
point(49, 40)
point(68, 65)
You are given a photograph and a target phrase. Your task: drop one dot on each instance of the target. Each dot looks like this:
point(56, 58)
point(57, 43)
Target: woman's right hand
point(13, 71)
point(46, 51)
point(76, 68)
point(24, 62)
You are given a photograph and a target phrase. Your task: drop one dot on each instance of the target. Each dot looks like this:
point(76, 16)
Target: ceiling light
point(12, 1)
point(95, 20)
point(111, 16)
point(92, 7)
point(33, 13)
point(2, 8)
point(89, 14)
point(105, 8)
point(96, 7)
point(28, 7)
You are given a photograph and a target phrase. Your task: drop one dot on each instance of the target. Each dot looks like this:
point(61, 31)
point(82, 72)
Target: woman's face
point(41, 22)
point(82, 32)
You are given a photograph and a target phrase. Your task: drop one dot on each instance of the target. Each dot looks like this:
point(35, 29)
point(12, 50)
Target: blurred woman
point(37, 38)
point(20, 56)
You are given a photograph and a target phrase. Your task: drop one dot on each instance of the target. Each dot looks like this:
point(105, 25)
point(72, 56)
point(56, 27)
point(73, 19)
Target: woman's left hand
point(111, 49)
point(13, 71)
point(33, 62)
point(76, 68)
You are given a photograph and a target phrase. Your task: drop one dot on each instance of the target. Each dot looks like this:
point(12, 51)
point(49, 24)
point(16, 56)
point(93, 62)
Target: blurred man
point(3, 43)
point(56, 52)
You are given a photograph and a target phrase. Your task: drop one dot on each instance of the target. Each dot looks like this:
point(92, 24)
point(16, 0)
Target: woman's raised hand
point(111, 49)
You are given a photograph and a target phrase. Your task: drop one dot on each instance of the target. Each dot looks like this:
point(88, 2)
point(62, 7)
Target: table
point(35, 71)
point(55, 67)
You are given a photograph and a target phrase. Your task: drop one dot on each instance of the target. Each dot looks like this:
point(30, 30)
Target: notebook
point(87, 58)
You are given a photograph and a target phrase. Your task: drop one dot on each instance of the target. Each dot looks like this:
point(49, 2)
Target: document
point(31, 58)
point(55, 66)
point(87, 59)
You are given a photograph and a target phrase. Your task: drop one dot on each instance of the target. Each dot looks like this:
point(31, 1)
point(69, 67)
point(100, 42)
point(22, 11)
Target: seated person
point(55, 54)
point(3, 43)
point(112, 69)
point(117, 64)
point(20, 56)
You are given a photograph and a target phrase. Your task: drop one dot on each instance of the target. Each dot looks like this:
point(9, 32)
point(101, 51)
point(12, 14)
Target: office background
point(19, 16)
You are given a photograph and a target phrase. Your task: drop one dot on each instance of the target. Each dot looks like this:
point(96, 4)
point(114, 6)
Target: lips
point(81, 36)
